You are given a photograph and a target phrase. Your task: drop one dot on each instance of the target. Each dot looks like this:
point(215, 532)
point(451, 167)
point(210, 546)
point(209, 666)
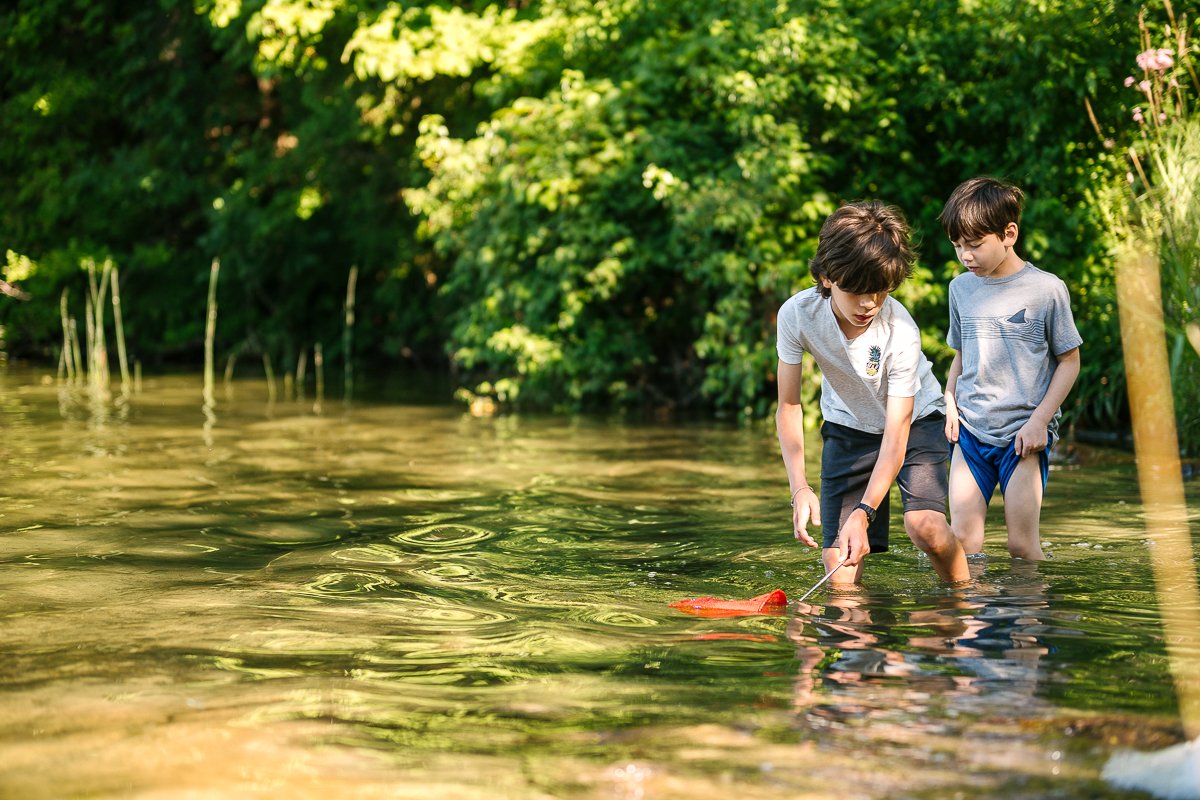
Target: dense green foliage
point(570, 202)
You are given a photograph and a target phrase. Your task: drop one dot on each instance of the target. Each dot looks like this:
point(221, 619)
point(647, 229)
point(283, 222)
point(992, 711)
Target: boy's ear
point(1011, 232)
point(828, 284)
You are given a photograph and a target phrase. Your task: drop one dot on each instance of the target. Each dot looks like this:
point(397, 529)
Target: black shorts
point(847, 459)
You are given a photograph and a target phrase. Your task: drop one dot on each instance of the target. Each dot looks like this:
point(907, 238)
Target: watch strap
point(870, 512)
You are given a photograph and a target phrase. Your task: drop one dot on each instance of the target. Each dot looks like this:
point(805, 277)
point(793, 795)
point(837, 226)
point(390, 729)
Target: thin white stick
point(818, 584)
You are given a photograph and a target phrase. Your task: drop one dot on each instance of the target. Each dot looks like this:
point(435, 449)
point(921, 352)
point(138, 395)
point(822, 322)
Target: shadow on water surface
point(404, 600)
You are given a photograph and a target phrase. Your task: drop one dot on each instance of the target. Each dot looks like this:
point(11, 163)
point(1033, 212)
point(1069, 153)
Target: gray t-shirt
point(858, 375)
point(1010, 332)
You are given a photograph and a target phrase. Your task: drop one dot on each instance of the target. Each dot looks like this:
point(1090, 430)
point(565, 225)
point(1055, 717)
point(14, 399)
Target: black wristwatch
point(870, 512)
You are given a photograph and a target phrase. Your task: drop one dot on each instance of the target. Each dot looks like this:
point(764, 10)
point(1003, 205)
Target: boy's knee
point(970, 539)
point(928, 529)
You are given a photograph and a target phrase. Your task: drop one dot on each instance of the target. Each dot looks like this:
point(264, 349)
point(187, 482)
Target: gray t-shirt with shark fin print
point(1010, 332)
point(858, 375)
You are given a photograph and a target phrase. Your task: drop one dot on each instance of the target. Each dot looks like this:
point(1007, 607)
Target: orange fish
point(769, 603)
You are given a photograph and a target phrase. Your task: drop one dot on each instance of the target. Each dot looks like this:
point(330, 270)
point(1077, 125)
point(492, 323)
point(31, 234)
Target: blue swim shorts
point(990, 464)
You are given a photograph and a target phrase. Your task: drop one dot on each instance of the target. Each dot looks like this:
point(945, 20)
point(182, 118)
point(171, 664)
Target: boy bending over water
point(882, 406)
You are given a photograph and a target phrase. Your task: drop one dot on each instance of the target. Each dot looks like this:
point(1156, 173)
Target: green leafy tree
point(573, 203)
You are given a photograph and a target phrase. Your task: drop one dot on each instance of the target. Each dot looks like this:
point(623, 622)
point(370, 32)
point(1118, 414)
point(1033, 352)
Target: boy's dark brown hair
point(864, 248)
point(981, 206)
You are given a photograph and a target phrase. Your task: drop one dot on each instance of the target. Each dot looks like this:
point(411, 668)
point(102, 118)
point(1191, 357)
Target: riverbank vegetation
point(567, 203)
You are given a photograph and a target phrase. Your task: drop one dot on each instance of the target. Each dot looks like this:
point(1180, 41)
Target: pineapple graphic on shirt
point(874, 355)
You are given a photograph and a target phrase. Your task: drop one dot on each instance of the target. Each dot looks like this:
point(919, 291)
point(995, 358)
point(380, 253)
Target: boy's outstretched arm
point(951, 407)
point(853, 535)
point(1034, 434)
point(789, 423)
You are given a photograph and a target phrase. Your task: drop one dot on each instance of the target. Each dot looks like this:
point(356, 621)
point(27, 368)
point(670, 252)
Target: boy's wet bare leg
point(968, 506)
point(845, 576)
point(931, 533)
point(1023, 510)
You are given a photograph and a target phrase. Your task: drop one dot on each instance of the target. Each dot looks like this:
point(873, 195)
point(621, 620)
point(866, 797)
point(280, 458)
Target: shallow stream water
point(401, 599)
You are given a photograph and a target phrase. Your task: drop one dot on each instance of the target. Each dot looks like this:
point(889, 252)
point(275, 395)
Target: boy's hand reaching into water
point(806, 509)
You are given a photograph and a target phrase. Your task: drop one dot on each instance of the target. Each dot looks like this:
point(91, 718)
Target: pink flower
point(1155, 60)
point(1129, 82)
point(1109, 144)
point(1162, 116)
point(1173, 84)
point(1137, 116)
point(1144, 86)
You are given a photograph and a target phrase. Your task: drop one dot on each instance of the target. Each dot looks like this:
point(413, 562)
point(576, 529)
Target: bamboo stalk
point(348, 335)
point(120, 326)
point(210, 334)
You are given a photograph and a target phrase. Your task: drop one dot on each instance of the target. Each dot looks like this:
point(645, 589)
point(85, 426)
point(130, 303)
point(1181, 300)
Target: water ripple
point(437, 611)
point(343, 583)
point(618, 618)
point(371, 554)
point(449, 573)
point(444, 537)
point(542, 598)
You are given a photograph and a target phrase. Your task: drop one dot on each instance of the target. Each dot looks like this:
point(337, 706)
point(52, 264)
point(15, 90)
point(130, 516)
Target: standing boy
point(1017, 358)
point(881, 403)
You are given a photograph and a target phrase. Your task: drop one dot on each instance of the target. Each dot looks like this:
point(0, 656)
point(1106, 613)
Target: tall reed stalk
point(348, 333)
point(126, 387)
point(68, 359)
point(98, 376)
point(76, 352)
point(319, 370)
point(301, 364)
point(1154, 217)
point(270, 373)
point(96, 352)
point(210, 334)
point(230, 363)
point(99, 289)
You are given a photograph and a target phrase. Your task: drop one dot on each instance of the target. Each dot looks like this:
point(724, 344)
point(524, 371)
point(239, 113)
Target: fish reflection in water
point(889, 660)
